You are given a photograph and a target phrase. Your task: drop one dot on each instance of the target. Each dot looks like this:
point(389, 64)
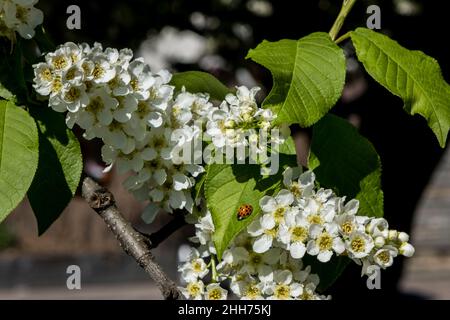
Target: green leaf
point(347, 162)
point(18, 155)
point(200, 82)
point(6, 94)
point(308, 77)
point(288, 147)
point(410, 75)
point(59, 170)
point(227, 187)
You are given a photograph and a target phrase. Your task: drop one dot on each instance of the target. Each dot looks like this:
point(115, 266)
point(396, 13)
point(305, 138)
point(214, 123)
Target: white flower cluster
point(140, 120)
point(20, 16)
point(239, 123)
point(251, 275)
point(265, 260)
point(302, 220)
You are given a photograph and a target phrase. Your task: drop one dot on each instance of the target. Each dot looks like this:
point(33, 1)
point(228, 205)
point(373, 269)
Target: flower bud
point(379, 242)
point(403, 237)
point(407, 249)
point(393, 235)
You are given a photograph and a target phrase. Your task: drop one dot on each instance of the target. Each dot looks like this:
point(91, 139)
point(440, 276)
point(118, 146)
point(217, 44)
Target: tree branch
point(132, 242)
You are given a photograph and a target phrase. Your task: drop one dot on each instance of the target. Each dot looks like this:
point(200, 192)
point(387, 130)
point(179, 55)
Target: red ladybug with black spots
point(244, 211)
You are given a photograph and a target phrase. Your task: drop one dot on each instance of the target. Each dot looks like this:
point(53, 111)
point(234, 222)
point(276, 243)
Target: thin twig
point(343, 37)
point(132, 242)
point(156, 238)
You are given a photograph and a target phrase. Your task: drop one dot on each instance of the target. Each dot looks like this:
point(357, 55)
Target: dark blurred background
point(215, 36)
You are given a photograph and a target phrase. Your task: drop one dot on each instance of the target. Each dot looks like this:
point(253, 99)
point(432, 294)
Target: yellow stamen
point(215, 294)
point(325, 241)
point(315, 219)
point(282, 292)
point(347, 227)
point(299, 234)
point(358, 244)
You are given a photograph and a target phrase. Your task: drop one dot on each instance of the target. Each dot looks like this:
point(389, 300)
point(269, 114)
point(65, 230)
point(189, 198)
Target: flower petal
point(284, 198)
point(262, 244)
point(297, 250)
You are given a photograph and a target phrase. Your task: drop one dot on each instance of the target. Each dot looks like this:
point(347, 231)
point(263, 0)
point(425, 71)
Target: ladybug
point(244, 211)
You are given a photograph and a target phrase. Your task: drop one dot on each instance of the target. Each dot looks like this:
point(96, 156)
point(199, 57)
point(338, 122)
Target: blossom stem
point(347, 6)
point(213, 268)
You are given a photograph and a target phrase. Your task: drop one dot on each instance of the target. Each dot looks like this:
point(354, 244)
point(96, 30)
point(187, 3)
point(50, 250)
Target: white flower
point(201, 106)
point(346, 217)
point(124, 111)
point(103, 71)
point(194, 290)
point(298, 183)
point(181, 181)
point(295, 233)
point(378, 227)
point(161, 93)
point(21, 16)
point(385, 257)
point(219, 128)
point(120, 84)
point(59, 60)
point(247, 288)
point(193, 269)
point(145, 116)
point(179, 200)
point(243, 105)
point(318, 212)
point(215, 292)
point(204, 229)
point(181, 108)
point(43, 79)
point(257, 263)
point(359, 245)
point(233, 257)
point(276, 207)
point(98, 111)
point(283, 286)
point(265, 231)
point(75, 97)
point(113, 135)
point(324, 242)
point(74, 75)
point(350, 208)
point(141, 79)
